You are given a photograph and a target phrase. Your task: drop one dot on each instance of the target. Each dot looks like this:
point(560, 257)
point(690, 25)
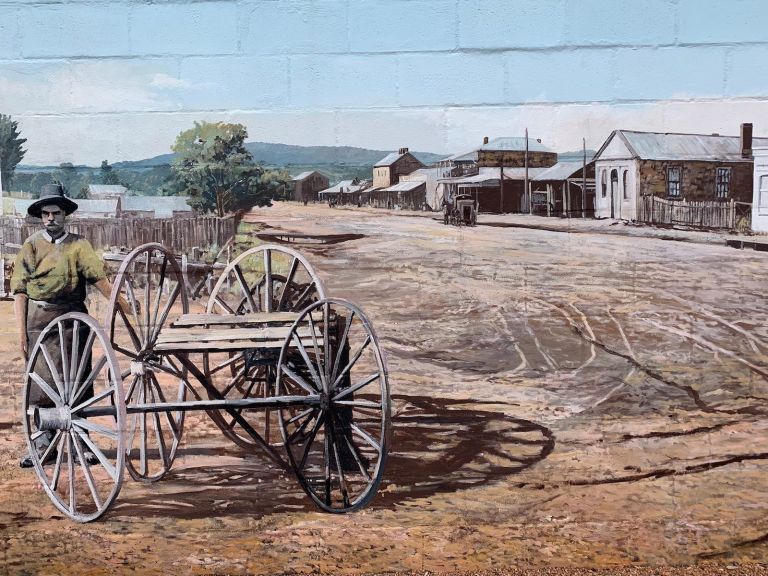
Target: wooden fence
point(727, 214)
point(178, 234)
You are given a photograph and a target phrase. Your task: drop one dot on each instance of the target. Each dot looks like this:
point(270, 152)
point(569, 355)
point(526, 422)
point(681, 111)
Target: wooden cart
point(279, 367)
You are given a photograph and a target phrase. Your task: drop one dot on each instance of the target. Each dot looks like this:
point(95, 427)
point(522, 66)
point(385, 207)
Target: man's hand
point(20, 309)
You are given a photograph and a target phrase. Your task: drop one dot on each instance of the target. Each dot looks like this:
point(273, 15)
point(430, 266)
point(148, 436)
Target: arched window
point(624, 184)
point(603, 183)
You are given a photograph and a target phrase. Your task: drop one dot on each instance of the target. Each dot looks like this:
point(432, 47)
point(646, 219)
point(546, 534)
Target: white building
point(760, 190)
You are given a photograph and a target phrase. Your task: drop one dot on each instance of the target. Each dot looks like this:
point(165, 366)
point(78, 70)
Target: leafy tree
point(215, 170)
point(11, 151)
point(74, 181)
point(108, 175)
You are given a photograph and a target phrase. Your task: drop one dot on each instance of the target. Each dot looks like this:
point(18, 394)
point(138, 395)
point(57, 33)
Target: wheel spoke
point(168, 417)
point(367, 437)
point(305, 356)
point(226, 363)
point(224, 305)
point(339, 467)
point(287, 286)
point(71, 471)
point(158, 430)
point(89, 381)
point(303, 296)
point(146, 296)
point(340, 346)
point(65, 380)
point(359, 404)
point(299, 380)
point(105, 463)
point(50, 447)
point(84, 358)
point(303, 425)
point(131, 293)
point(310, 439)
point(356, 455)
point(353, 361)
point(352, 389)
point(326, 346)
point(53, 371)
point(240, 375)
point(248, 296)
point(166, 310)
point(47, 389)
point(267, 280)
point(86, 470)
point(143, 430)
point(327, 461)
point(158, 297)
point(73, 363)
point(93, 427)
point(93, 399)
point(59, 460)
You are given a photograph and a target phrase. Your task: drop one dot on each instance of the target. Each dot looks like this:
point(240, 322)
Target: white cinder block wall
point(95, 79)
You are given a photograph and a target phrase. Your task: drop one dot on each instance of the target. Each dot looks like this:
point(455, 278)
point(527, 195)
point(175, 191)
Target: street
point(559, 399)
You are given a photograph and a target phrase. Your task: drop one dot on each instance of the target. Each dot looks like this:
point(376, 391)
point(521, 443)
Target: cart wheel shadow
point(438, 446)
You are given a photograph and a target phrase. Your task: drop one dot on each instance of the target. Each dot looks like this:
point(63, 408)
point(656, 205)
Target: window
point(603, 183)
point(763, 202)
point(614, 184)
point(673, 181)
point(624, 184)
point(722, 182)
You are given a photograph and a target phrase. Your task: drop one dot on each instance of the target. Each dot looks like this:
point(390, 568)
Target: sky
point(440, 86)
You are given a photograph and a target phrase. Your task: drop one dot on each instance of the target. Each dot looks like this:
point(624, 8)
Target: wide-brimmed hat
point(51, 194)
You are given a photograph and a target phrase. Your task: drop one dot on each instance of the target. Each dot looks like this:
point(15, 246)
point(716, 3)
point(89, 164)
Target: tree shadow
point(438, 446)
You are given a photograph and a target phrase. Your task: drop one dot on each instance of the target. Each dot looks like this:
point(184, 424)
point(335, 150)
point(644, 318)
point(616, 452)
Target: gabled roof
point(346, 186)
point(100, 206)
point(393, 157)
point(306, 174)
point(514, 144)
point(675, 146)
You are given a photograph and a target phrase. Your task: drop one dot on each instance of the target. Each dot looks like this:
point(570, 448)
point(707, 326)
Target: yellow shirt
point(56, 271)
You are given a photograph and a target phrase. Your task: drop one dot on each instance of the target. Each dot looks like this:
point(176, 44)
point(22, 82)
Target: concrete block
point(511, 23)
point(747, 73)
point(715, 21)
point(64, 30)
point(295, 27)
point(401, 25)
point(346, 80)
point(644, 22)
point(123, 85)
point(201, 28)
point(586, 75)
point(9, 32)
point(442, 79)
point(233, 82)
point(34, 87)
point(669, 73)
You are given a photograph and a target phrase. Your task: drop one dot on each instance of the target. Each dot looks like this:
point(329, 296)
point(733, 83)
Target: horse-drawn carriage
point(278, 366)
point(460, 210)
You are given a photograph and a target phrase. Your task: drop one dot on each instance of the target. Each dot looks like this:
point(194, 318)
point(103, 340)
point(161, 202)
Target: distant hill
point(284, 155)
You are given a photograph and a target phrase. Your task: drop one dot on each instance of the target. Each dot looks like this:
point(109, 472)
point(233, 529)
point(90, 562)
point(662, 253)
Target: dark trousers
point(39, 315)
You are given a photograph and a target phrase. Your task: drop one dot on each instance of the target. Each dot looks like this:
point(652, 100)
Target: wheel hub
point(59, 418)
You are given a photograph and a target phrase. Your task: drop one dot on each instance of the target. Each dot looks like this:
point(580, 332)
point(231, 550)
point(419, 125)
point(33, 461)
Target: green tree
point(107, 174)
point(215, 170)
point(11, 151)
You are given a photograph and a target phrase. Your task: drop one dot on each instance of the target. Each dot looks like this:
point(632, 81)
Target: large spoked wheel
point(151, 284)
point(337, 444)
point(267, 278)
point(74, 415)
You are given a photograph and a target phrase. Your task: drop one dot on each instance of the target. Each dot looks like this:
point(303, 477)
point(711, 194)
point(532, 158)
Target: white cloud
point(166, 81)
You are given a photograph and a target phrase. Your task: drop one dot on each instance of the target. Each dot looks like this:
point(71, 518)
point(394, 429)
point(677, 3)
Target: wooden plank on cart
point(190, 320)
point(223, 345)
point(213, 335)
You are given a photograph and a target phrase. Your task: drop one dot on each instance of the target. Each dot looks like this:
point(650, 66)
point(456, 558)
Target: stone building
point(387, 171)
point(306, 185)
point(691, 167)
point(511, 151)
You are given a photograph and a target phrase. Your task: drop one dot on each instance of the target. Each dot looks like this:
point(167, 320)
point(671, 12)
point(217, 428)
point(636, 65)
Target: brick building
point(387, 171)
point(691, 167)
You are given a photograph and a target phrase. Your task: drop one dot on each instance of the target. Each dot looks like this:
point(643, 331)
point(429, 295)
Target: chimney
point(402, 151)
point(485, 140)
point(746, 140)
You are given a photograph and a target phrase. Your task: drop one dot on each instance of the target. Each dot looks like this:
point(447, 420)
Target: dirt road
point(570, 400)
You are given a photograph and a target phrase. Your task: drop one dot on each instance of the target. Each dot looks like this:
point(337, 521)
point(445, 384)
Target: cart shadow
point(437, 446)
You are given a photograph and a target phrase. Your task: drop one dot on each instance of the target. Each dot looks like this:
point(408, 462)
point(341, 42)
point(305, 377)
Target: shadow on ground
point(438, 446)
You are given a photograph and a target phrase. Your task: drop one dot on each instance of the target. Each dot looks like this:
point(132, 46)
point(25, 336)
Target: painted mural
point(366, 287)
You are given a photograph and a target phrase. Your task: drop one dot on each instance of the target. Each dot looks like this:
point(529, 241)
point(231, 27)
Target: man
point(49, 279)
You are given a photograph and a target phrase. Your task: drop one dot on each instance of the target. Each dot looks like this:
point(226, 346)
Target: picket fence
point(727, 214)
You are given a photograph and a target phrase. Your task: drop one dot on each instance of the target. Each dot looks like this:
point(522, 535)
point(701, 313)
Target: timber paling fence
point(179, 234)
point(727, 214)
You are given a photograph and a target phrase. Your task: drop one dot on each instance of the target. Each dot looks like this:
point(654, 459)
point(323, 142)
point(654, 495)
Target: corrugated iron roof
point(346, 187)
point(514, 144)
point(106, 189)
point(560, 171)
point(389, 159)
point(404, 186)
point(674, 146)
point(306, 174)
point(105, 205)
point(156, 204)
point(486, 174)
